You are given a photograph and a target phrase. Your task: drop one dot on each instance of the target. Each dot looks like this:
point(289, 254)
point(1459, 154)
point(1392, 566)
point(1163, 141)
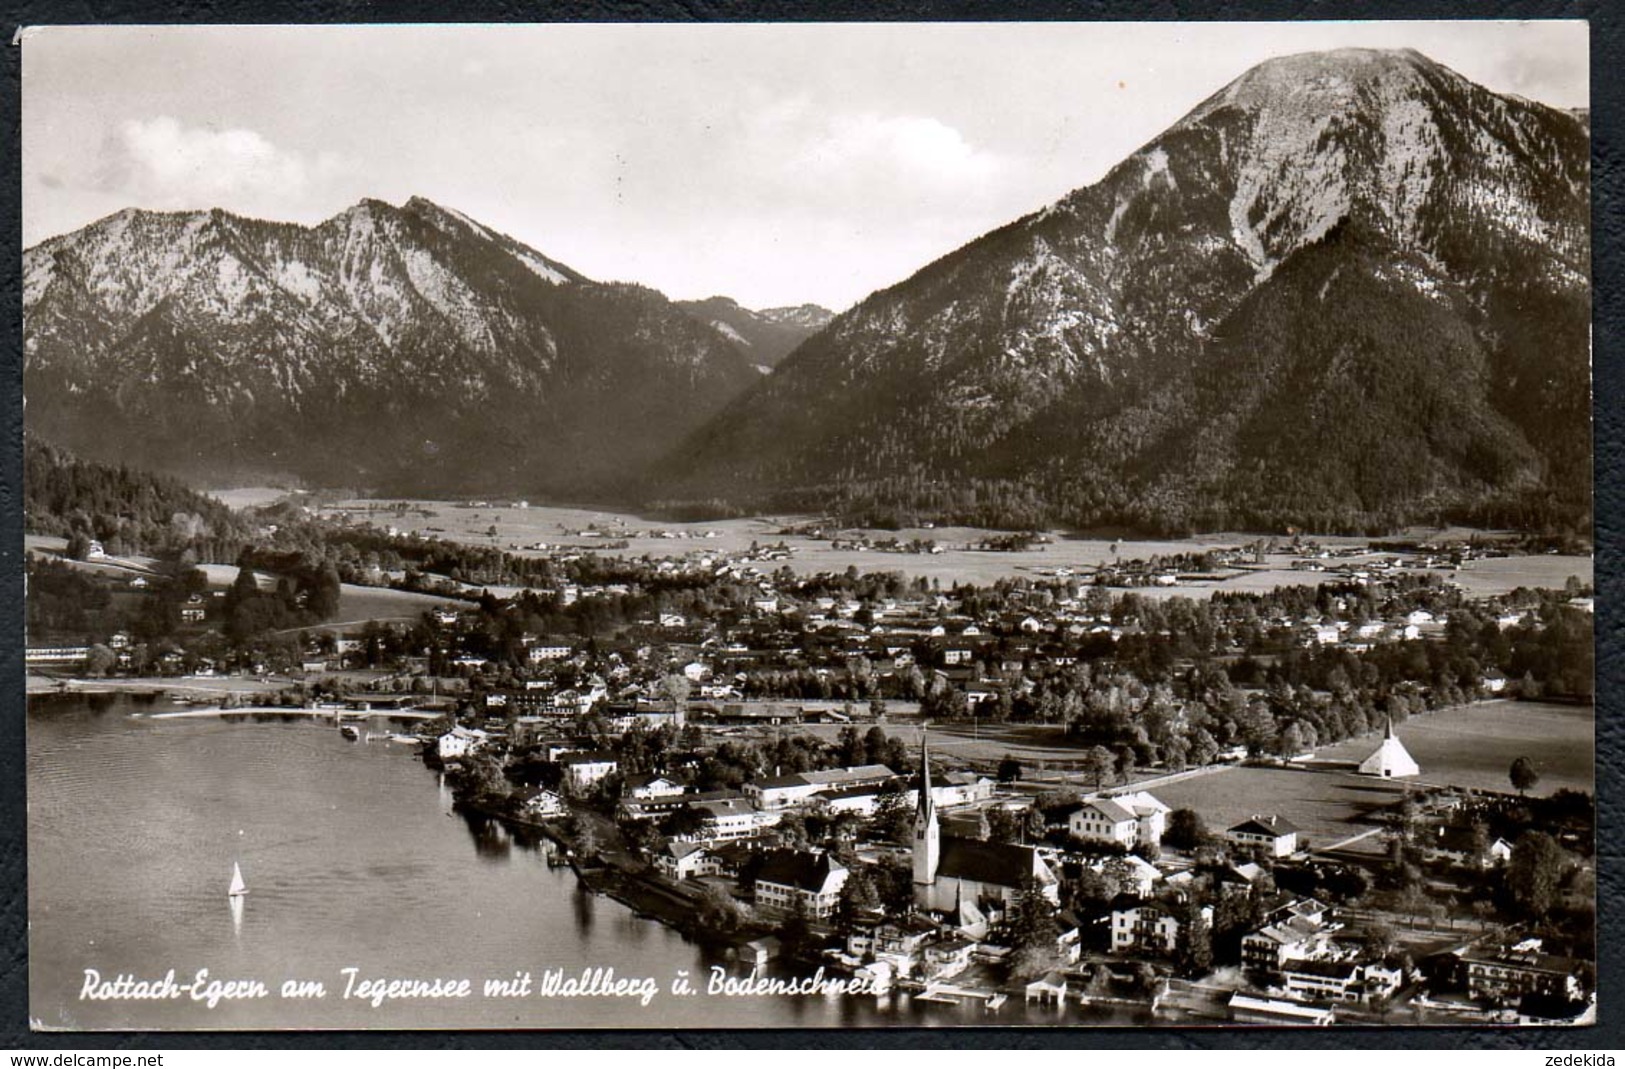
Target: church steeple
point(927, 833)
point(924, 809)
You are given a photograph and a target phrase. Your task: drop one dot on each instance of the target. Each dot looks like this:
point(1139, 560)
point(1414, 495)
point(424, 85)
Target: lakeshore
point(134, 878)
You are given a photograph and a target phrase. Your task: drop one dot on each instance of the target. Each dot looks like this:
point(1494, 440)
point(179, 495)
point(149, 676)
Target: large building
point(783, 792)
point(1506, 976)
point(1390, 760)
point(800, 878)
point(952, 873)
point(1128, 820)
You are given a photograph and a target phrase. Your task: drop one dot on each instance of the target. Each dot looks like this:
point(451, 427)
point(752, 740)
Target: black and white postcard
point(796, 525)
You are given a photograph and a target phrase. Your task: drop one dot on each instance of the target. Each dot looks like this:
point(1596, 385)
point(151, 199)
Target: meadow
point(1474, 745)
point(517, 529)
point(1327, 807)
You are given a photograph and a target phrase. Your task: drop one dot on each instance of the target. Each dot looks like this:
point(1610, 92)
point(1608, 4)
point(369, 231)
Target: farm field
point(1048, 757)
point(1483, 578)
point(1029, 743)
point(957, 563)
point(1475, 745)
point(1326, 806)
point(382, 603)
point(356, 603)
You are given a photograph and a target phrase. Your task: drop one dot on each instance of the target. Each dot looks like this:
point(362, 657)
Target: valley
point(561, 531)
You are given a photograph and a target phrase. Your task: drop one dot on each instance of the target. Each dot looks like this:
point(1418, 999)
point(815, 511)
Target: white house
point(544, 804)
point(1102, 820)
point(649, 785)
point(812, 880)
point(1298, 931)
point(1128, 819)
point(584, 769)
point(1134, 875)
point(1277, 835)
point(678, 860)
point(732, 818)
point(1147, 926)
point(459, 742)
point(1339, 981)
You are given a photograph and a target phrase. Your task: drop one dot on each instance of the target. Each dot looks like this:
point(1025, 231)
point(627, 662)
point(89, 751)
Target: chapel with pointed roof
point(1390, 760)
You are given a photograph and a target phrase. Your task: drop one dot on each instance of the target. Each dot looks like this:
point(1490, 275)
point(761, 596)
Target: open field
point(1483, 578)
point(1467, 746)
point(1326, 806)
point(357, 604)
point(382, 603)
point(1475, 745)
point(957, 563)
point(1049, 758)
point(1031, 743)
point(553, 525)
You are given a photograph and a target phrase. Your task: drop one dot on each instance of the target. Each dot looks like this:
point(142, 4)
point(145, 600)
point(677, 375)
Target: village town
point(1050, 789)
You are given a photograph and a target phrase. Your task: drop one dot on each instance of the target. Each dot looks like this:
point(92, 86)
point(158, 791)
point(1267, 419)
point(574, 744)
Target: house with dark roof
point(1276, 835)
point(809, 879)
point(1507, 976)
point(1465, 846)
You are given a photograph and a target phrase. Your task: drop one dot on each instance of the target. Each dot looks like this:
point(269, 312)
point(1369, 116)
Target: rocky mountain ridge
point(1334, 242)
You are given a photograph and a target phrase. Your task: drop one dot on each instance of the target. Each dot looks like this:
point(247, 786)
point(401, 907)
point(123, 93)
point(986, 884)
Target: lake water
point(354, 859)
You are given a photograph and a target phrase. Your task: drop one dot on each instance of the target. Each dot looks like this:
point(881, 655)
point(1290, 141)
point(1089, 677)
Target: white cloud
point(161, 159)
point(801, 154)
point(911, 147)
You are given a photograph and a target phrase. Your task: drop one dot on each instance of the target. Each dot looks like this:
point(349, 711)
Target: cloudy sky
point(774, 164)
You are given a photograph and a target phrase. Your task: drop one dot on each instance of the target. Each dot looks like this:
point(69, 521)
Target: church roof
point(999, 864)
point(1390, 757)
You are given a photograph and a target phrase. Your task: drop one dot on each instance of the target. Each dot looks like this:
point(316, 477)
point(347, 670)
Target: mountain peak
point(1329, 83)
point(233, 342)
point(1356, 231)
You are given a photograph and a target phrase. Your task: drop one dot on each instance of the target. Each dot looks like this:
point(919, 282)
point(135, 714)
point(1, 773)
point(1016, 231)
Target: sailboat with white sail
point(238, 887)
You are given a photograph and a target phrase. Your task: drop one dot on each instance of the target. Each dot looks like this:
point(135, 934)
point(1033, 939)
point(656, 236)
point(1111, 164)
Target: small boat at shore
point(351, 732)
point(238, 887)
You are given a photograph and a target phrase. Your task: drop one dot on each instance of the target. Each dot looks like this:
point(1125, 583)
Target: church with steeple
point(1390, 760)
point(968, 878)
